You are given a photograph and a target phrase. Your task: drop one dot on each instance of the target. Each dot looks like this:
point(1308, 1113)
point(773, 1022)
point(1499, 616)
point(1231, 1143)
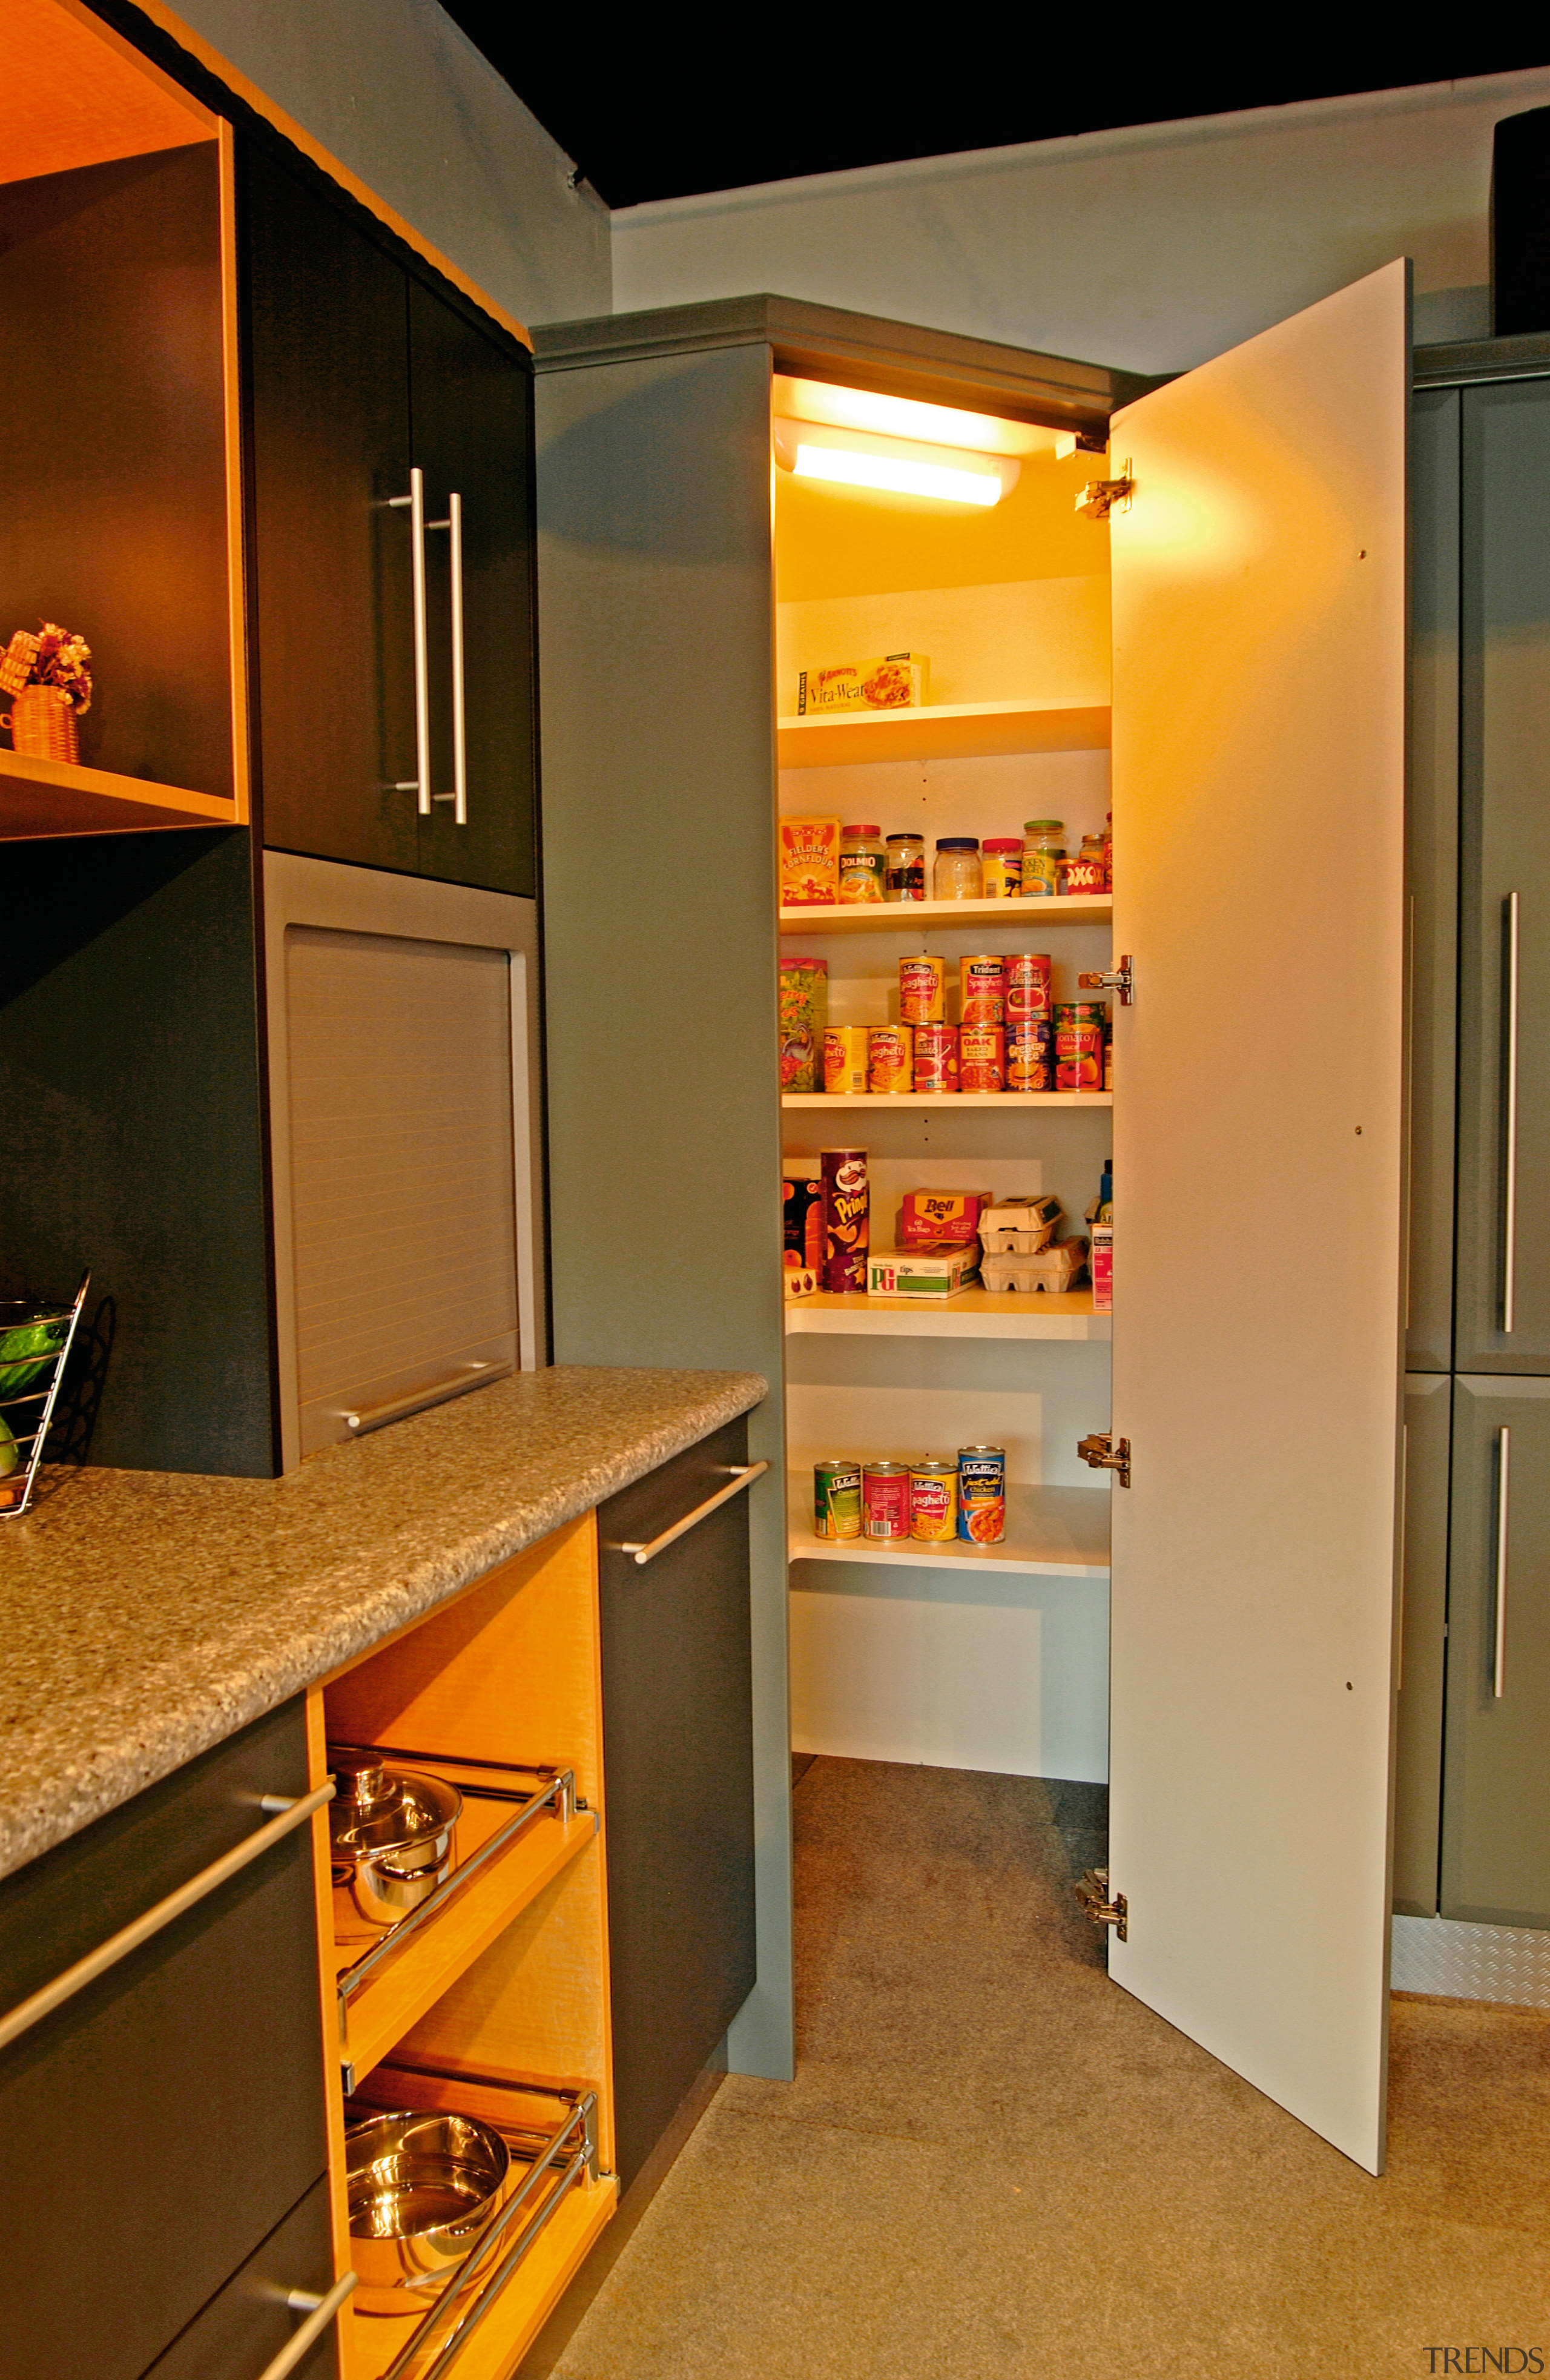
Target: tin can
point(845, 1060)
point(982, 989)
point(1078, 1045)
point(1030, 980)
point(1108, 1058)
point(935, 1057)
point(933, 1500)
point(905, 877)
point(846, 1217)
point(891, 1058)
point(803, 1016)
point(885, 1499)
point(836, 1500)
point(982, 1495)
point(922, 992)
point(1030, 1054)
point(982, 1058)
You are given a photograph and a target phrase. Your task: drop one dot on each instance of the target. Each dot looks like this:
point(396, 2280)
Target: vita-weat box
point(892, 681)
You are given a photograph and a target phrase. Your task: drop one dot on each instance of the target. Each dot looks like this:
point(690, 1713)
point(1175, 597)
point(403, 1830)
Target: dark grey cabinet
point(1422, 1644)
point(248, 2322)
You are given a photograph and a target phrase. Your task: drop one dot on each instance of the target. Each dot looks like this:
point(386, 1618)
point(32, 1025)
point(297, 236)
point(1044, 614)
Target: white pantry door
point(1259, 745)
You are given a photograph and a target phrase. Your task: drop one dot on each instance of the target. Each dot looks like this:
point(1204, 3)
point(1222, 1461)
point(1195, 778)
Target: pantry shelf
point(1052, 1533)
point(44, 798)
point(910, 917)
point(877, 1102)
point(942, 731)
point(973, 1314)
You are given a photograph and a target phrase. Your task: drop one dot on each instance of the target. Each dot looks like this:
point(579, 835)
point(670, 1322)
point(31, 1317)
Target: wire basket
point(35, 1341)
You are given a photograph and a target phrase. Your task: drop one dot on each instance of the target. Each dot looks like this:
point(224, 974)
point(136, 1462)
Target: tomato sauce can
point(922, 991)
point(891, 1058)
point(837, 1499)
point(1078, 1045)
point(845, 1060)
point(982, 989)
point(885, 1499)
point(933, 1500)
point(1030, 977)
point(935, 1057)
point(982, 1495)
point(846, 1217)
point(982, 1058)
point(1030, 1054)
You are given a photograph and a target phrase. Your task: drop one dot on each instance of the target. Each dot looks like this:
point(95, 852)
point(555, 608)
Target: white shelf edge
point(920, 1321)
point(879, 1101)
point(1012, 1556)
point(911, 917)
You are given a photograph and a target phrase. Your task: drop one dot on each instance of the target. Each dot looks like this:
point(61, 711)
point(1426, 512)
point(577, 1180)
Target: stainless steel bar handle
point(459, 690)
point(31, 2011)
point(369, 1417)
point(744, 1475)
point(1498, 1651)
point(320, 2313)
point(1509, 1162)
point(422, 649)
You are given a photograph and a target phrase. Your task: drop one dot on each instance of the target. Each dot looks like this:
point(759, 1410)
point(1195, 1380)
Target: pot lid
point(379, 1808)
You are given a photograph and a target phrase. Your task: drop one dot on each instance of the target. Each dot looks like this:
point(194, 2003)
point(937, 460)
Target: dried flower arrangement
point(53, 658)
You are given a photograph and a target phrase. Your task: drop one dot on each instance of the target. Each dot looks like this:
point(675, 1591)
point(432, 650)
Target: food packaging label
point(847, 1228)
point(804, 1222)
point(929, 1215)
point(940, 1271)
point(809, 851)
point(803, 1016)
point(891, 682)
point(1102, 1263)
point(845, 1060)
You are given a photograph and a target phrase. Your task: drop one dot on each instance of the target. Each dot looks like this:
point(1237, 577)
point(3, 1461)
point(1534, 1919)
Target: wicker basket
point(43, 723)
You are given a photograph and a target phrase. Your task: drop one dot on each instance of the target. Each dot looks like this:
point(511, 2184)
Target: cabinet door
point(471, 403)
point(248, 2322)
point(328, 365)
point(1422, 1644)
point(1259, 752)
point(678, 1775)
point(1503, 1055)
point(1495, 1865)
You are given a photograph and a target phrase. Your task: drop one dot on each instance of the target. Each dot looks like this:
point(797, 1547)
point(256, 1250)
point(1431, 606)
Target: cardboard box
point(808, 862)
point(891, 682)
point(929, 1215)
point(1018, 1226)
point(936, 1272)
point(1102, 1263)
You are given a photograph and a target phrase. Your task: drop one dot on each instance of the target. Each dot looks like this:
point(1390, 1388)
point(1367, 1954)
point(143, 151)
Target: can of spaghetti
point(845, 1060)
point(885, 1499)
point(1030, 974)
point(982, 989)
point(982, 1058)
point(933, 1500)
point(922, 991)
point(982, 1495)
point(846, 1217)
point(836, 1500)
point(891, 1058)
point(1078, 1045)
point(1030, 1054)
point(935, 1057)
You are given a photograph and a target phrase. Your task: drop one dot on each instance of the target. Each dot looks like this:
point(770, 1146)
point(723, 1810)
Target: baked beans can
point(845, 1060)
point(1079, 1034)
point(982, 989)
point(837, 1499)
point(846, 1217)
point(922, 992)
point(982, 1495)
point(885, 1499)
point(891, 1058)
point(935, 1057)
point(1030, 977)
point(982, 1058)
point(933, 1500)
point(1030, 1054)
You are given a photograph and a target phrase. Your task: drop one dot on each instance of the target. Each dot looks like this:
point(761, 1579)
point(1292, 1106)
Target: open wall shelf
point(941, 731)
point(40, 799)
point(973, 1314)
point(1052, 1533)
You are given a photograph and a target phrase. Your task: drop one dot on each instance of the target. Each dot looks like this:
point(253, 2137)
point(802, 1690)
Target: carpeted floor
point(995, 2164)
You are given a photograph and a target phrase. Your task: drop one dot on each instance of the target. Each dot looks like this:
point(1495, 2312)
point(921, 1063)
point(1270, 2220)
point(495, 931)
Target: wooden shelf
point(942, 731)
point(878, 1100)
point(912, 917)
point(973, 1314)
point(1052, 1533)
point(44, 798)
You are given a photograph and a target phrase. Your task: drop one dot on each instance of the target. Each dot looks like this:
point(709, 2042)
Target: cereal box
point(892, 682)
point(929, 1215)
point(809, 863)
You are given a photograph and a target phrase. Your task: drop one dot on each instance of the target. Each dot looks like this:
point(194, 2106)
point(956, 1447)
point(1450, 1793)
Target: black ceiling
point(654, 107)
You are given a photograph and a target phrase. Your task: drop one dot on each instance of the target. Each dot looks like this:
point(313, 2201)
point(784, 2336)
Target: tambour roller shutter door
point(402, 1179)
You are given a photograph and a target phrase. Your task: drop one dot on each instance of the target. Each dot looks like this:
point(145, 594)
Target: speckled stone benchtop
point(144, 1615)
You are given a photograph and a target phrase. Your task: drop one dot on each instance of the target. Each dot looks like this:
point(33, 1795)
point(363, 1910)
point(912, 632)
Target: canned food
point(837, 1499)
point(891, 1058)
point(933, 1500)
point(922, 992)
point(846, 1217)
point(1030, 1054)
point(982, 989)
point(982, 1058)
point(885, 1499)
point(845, 1060)
point(935, 1057)
point(1030, 978)
point(905, 877)
point(982, 1495)
point(1079, 1030)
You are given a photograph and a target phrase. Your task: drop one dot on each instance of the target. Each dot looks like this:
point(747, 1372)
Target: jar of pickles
point(957, 875)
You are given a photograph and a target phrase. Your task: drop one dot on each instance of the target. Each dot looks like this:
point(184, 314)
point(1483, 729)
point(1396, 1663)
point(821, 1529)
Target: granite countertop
point(149, 1614)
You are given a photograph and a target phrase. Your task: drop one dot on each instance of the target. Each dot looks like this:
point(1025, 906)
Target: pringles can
point(935, 1057)
point(922, 992)
point(1030, 974)
point(845, 1060)
point(836, 1500)
point(890, 1059)
point(982, 989)
point(846, 1208)
point(885, 1501)
point(933, 1500)
point(982, 1058)
point(982, 1495)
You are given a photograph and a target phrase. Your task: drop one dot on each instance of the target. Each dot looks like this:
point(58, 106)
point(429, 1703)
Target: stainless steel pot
point(421, 2189)
point(395, 1837)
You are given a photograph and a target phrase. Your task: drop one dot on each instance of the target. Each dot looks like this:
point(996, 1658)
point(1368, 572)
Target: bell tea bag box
point(934, 1215)
point(892, 682)
point(808, 858)
point(934, 1272)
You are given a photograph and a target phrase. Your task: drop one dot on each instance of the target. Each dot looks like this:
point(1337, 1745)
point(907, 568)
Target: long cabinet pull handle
point(744, 1475)
point(31, 2011)
point(459, 690)
point(422, 649)
point(1509, 1162)
point(468, 1376)
point(1498, 1650)
point(320, 2313)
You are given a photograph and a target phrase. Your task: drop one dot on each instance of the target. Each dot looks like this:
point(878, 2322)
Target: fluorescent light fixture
point(901, 416)
point(903, 467)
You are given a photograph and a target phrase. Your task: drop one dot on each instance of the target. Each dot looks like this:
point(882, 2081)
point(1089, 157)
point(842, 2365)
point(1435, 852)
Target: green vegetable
point(11, 1454)
point(26, 1350)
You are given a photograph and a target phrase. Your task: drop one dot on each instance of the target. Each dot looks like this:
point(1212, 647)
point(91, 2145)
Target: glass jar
point(1002, 867)
point(906, 867)
point(863, 863)
point(1044, 847)
point(957, 875)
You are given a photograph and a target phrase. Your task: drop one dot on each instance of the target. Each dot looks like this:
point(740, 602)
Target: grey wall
point(398, 94)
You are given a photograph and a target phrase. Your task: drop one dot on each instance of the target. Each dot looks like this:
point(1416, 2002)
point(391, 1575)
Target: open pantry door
point(1259, 711)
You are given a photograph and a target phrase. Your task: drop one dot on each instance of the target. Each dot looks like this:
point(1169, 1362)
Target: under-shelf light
point(906, 466)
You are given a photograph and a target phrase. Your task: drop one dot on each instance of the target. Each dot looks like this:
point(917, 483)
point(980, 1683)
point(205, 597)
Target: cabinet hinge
point(1122, 981)
point(1093, 1894)
point(1100, 497)
point(1101, 1452)
point(1080, 441)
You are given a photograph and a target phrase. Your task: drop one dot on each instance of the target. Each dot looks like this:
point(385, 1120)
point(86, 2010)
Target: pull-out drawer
point(245, 2329)
point(162, 2120)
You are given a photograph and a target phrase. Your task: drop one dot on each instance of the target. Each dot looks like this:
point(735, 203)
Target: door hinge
point(1122, 980)
point(1093, 1895)
point(1080, 441)
point(1101, 1452)
point(1100, 497)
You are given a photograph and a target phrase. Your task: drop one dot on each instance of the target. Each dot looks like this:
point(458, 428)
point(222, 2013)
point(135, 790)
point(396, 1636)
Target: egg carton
point(1054, 1267)
point(1018, 1226)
